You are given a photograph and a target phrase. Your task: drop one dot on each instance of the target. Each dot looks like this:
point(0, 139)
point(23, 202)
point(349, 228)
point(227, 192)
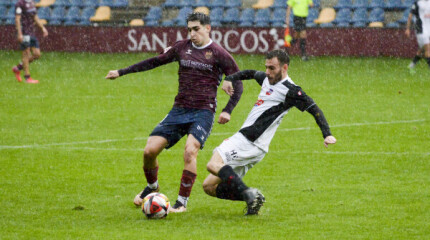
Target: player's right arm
point(18, 24)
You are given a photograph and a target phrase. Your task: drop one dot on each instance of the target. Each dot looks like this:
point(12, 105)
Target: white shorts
point(239, 153)
point(423, 39)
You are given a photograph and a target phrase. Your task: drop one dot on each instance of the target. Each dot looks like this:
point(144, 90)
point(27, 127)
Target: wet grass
point(71, 146)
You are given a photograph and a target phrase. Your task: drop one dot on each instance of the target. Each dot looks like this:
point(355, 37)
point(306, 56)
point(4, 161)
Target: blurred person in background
point(25, 20)
point(420, 12)
point(300, 10)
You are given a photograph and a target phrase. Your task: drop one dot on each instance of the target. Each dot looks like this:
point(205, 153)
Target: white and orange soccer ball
point(155, 206)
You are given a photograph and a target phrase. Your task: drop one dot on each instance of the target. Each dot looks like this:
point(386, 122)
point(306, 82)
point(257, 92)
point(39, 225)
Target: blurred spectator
point(420, 10)
point(25, 19)
point(301, 11)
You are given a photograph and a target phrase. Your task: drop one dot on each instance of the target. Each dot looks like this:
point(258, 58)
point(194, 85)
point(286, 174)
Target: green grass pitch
point(71, 153)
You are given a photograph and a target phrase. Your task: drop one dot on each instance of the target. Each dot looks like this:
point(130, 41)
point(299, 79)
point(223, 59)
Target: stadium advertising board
point(321, 41)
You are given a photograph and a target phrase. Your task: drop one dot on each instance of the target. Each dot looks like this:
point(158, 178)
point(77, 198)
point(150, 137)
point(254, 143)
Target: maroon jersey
point(27, 10)
point(200, 73)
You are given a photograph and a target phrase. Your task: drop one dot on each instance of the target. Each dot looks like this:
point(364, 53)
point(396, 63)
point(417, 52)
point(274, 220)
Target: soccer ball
point(155, 206)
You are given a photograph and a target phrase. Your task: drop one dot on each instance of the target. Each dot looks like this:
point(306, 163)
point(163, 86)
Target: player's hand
point(112, 74)
point(227, 86)
point(20, 38)
point(329, 140)
point(408, 33)
point(224, 118)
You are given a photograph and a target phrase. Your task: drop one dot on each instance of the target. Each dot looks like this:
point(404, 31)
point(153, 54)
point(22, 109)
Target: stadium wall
point(321, 41)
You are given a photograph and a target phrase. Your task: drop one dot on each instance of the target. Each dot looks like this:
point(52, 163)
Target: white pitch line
point(216, 134)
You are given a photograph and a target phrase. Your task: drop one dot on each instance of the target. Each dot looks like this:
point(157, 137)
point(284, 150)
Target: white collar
point(205, 46)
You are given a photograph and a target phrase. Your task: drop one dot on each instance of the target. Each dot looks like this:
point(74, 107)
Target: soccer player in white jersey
point(236, 155)
point(420, 10)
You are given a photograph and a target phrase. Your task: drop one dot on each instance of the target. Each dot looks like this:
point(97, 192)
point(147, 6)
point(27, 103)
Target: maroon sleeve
point(229, 66)
point(167, 57)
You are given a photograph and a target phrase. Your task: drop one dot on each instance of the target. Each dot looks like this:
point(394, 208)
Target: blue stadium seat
point(216, 14)
point(407, 3)
point(392, 25)
point(343, 24)
point(73, 15)
point(168, 23)
point(360, 15)
point(171, 4)
point(62, 3)
point(120, 3)
point(86, 14)
point(91, 3)
point(404, 18)
point(180, 20)
point(262, 17)
point(326, 25)
point(234, 3)
point(58, 14)
point(231, 15)
point(394, 5)
point(44, 13)
point(202, 3)
point(377, 4)
point(187, 3)
point(343, 4)
point(10, 21)
point(154, 14)
point(3, 12)
point(247, 17)
point(108, 3)
point(77, 3)
point(218, 3)
point(10, 14)
point(8, 3)
point(359, 24)
point(343, 15)
point(216, 23)
point(360, 4)
point(317, 3)
point(376, 15)
point(152, 23)
point(279, 16)
point(313, 14)
point(279, 4)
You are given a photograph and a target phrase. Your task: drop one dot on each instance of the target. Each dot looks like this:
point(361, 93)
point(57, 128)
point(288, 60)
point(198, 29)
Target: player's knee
point(190, 153)
point(36, 55)
point(149, 154)
point(209, 188)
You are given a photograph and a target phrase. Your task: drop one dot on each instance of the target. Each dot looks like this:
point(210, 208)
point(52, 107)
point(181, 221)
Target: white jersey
point(274, 101)
point(421, 10)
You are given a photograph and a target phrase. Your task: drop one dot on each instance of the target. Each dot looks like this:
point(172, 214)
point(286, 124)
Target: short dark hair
point(282, 56)
point(198, 16)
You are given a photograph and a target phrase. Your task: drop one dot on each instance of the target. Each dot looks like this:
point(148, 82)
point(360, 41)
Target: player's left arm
point(305, 103)
point(40, 25)
point(229, 66)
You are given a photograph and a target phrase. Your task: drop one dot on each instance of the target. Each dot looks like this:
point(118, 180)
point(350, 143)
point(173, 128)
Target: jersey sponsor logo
point(208, 55)
point(269, 92)
point(259, 102)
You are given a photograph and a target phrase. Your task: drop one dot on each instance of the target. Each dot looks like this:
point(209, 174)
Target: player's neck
point(204, 44)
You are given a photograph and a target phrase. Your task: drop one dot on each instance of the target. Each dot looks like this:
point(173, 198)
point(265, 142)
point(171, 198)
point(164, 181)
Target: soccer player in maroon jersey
point(25, 19)
point(202, 63)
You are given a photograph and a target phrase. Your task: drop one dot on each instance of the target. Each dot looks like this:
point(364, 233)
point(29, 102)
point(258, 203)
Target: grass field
point(71, 150)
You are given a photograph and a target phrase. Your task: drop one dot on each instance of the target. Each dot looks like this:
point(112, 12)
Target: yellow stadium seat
point(263, 4)
point(326, 15)
point(137, 22)
point(376, 24)
point(102, 14)
point(204, 10)
point(45, 3)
